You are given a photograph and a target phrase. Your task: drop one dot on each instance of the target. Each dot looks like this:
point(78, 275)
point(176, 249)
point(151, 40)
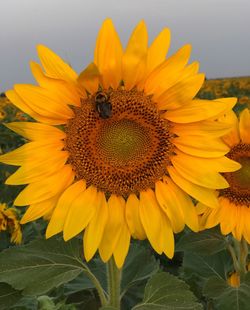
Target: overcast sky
point(217, 29)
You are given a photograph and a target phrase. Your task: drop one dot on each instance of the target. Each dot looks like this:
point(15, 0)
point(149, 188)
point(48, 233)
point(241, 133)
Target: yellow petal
point(133, 218)
point(247, 228)
point(168, 202)
point(198, 110)
point(116, 219)
point(108, 55)
point(39, 209)
point(94, 231)
point(168, 237)
point(150, 215)
point(233, 135)
point(43, 102)
point(47, 188)
point(135, 56)
point(190, 70)
point(206, 128)
point(54, 65)
point(122, 246)
point(166, 75)
point(201, 208)
point(33, 151)
point(244, 126)
point(227, 221)
point(158, 50)
point(36, 171)
point(230, 210)
point(201, 146)
point(200, 171)
point(182, 92)
point(81, 210)
point(65, 91)
point(202, 194)
point(186, 205)
point(238, 230)
point(36, 131)
point(62, 208)
point(90, 78)
point(223, 164)
point(20, 104)
point(213, 218)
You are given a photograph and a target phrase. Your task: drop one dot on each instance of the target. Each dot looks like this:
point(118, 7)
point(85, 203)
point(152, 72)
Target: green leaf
point(226, 297)
point(206, 266)
point(98, 268)
point(166, 292)
point(196, 269)
point(207, 242)
point(139, 265)
point(108, 308)
point(8, 296)
point(26, 303)
point(41, 265)
point(79, 284)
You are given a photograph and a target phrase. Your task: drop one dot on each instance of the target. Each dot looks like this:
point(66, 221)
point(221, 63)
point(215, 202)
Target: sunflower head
point(233, 212)
point(9, 222)
point(125, 153)
point(116, 150)
point(234, 280)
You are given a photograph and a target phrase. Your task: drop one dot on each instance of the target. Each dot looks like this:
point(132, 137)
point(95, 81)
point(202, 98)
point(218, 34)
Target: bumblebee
point(102, 105)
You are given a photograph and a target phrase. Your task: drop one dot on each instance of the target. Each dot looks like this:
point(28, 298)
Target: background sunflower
point(233, 213)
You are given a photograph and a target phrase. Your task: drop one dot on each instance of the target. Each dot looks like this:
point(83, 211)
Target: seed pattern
point(239, 190)
point(124, 154)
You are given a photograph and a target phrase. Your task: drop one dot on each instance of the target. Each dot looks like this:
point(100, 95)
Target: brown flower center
point(124, 153)
point(239, 181)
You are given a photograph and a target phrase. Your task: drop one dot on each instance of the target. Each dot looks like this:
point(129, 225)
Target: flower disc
point(239, 181)
point(124, 154)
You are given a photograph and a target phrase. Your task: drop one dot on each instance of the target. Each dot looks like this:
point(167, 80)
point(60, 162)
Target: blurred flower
point(10, 223)
point(233, 212)
point(234, 280)
point(244, 100)
point(2, 114)
point(132, 144)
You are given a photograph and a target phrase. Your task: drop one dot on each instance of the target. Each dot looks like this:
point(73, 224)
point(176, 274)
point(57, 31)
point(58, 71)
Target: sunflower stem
point(114, 283)
point(234, 257)
point(97, 285)
point(239, 254)
point(243, 255)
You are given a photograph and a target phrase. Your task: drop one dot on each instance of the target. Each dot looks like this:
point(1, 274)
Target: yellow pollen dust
point(239, 181)
point(124, 153)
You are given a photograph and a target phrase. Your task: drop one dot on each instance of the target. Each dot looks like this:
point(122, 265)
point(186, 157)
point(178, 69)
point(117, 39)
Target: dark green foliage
point(8, 296)
point(165, 291)
point(226, 297)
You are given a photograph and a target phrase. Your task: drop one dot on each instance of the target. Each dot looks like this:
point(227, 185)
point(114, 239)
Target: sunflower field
point(132, 190)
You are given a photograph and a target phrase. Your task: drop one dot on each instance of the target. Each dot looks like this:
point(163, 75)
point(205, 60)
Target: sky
point(217, 29)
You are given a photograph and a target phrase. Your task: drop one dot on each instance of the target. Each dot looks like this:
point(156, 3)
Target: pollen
point(239, 190)
point(124, 154)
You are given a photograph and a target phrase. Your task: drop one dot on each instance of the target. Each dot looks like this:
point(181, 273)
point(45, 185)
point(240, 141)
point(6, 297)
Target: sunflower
point(10, 223)
point(233, 212)
point(234, 280)
point(117, 150)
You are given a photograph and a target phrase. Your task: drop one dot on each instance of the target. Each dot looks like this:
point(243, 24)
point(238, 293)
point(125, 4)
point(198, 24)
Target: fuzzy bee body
point(102, 105)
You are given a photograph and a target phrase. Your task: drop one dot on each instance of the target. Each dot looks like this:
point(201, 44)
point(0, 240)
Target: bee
point(102, 104)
